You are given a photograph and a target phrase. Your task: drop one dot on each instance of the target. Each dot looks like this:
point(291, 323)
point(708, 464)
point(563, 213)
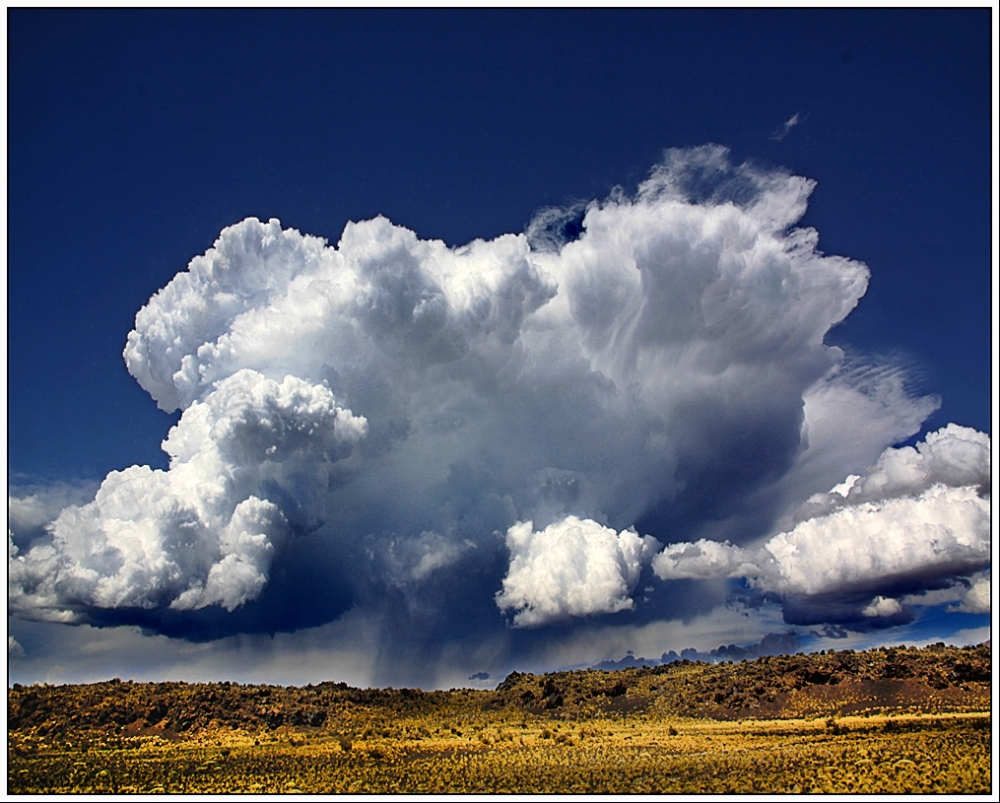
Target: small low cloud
point(882, 607)
point(977, 598)
point(965, 595)
point(703, 560)
point(572, 568)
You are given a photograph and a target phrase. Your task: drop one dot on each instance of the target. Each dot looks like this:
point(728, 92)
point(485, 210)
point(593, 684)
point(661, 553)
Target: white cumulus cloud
point(882, 606)
point(571, 568)
point(198, 533)
point(954, 456)
point(977, 598)
point(941, 532)
point(657, 357)
point(703, 560)
point(918, 516)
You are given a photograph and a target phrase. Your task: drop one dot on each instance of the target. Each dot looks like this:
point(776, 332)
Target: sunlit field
point(879, 754)
point(587, 731)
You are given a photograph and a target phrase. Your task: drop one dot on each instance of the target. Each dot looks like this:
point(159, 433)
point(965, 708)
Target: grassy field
point(884, 721)
point(878, 754)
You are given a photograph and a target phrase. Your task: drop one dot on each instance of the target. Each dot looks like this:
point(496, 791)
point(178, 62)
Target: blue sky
point(136, 137)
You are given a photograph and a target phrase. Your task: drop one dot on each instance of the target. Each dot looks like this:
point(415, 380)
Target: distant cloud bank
point(508, 432)
point(914, 521)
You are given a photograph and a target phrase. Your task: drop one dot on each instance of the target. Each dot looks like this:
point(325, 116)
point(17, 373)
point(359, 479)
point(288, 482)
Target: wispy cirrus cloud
point(786, 127)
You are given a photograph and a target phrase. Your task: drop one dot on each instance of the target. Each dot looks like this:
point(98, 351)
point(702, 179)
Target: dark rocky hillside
point(934, 679)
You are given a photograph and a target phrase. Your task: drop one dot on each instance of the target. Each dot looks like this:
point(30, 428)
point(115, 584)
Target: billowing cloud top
point(199, 533)
point(362, 418)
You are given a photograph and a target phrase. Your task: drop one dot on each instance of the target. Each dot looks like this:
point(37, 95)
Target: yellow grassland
point(499, 752)
point(886, 721)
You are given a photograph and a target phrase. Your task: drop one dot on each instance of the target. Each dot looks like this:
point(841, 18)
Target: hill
point(931, 680)
point(628, 726)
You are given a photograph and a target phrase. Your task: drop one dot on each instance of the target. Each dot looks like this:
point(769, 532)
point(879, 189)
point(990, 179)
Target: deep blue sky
point(135, 136)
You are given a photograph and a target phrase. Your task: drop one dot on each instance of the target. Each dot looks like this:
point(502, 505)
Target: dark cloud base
point(287, 604)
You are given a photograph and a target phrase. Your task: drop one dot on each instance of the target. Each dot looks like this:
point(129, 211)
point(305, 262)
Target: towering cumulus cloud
point(392, 417)
point(245, 463)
